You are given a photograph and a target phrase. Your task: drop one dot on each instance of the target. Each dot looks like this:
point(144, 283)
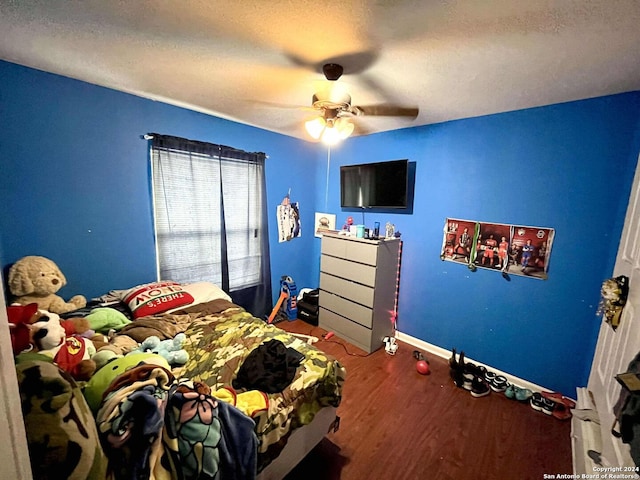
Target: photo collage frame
point(511, 249)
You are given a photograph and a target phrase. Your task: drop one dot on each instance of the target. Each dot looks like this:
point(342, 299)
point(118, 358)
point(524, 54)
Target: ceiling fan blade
point(386, 111)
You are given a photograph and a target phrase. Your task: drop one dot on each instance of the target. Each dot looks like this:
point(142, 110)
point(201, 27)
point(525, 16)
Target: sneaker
point(466, 372)
point(458, 380)
point(481, 371)
point(489, 375)
point(456, 376)
point(541, 404)
point(547, 406)
point(536, 402)
point(510, 392)
point(557, 397)
point(479, 387)
point(499, 383)
point(523, 394)
point(472, 370)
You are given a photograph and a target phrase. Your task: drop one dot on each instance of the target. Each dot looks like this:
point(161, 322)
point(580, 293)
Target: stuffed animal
point(20, 319)
point(71, 353)
point(120, 345)
point(99, 340)
point(171, 350)
point(105, 319)
point(109, 349)
point(103, 357)
point(77, 326)
point(98, 384)
point(37, 279)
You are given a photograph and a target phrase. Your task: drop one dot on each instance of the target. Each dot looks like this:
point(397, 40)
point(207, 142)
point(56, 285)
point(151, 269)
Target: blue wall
point(567, 167)
point(74, 188)
point(74, 182)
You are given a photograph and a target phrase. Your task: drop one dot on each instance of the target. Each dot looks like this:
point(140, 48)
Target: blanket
point(154, 427)
point(61, 433)
point(168, 325)
point(165, 326)
point(218, 345)
point(207, 308)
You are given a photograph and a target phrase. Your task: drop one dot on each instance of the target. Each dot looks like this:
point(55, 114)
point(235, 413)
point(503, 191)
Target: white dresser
point(358, 287)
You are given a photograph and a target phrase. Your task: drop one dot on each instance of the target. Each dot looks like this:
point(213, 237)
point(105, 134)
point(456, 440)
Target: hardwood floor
point(398, 424)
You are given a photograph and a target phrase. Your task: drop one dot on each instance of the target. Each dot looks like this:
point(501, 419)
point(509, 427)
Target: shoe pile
point(468, 376)
point(479, 382)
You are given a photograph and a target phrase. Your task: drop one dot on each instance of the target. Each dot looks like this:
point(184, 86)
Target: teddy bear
point(35, 279)
point(171, 349)
point(71, 353)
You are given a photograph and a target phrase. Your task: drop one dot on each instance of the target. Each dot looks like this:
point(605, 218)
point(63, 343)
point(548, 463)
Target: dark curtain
point(233, 216)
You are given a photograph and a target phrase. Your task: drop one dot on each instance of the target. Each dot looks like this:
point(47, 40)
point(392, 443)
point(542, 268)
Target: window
point(210, 213)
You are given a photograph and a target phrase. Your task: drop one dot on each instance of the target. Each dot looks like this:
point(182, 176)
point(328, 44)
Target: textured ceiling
point(256, 62)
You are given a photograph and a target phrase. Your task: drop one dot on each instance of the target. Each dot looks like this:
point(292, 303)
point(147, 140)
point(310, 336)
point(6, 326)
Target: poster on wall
point(513, 249)
point(325, 223)
point(531, 249)
point(492, 246)
point(289, 223)
point(458, 240)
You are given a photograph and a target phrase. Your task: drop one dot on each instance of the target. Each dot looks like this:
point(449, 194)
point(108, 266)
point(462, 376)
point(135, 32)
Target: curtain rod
point(150, 136)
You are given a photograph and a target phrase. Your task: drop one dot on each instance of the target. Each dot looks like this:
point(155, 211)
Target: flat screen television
point(374, 185)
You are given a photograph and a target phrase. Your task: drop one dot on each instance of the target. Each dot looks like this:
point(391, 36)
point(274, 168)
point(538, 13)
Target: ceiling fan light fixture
point(337, 130)
point(331, 136)
point(345, 127)
point(315, 127)
point(329, 128)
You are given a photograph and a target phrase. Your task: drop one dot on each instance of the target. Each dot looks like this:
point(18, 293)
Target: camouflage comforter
point(219, 342)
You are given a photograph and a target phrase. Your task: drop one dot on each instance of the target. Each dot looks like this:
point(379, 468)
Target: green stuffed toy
point(171, 350)
point(104, 319)
point(101, 380)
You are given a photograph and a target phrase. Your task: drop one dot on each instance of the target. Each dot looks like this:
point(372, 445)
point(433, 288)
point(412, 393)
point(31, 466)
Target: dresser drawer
point(346, 308)
point(356, 251)
point(356, 272)
point(346, 329)
point(361, 294)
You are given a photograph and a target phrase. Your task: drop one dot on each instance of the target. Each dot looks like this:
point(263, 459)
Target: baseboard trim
point(446, 354)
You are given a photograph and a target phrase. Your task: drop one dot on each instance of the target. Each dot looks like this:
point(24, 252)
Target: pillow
point(155, 298)
point(202, 292)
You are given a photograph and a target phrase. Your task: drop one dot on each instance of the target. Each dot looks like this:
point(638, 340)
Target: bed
point(272, 395)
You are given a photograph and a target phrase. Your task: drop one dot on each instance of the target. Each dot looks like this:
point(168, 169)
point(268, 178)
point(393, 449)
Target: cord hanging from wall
point(326, 188)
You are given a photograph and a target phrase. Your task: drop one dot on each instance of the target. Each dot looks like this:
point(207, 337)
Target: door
point(14, 455)
point(615, 349)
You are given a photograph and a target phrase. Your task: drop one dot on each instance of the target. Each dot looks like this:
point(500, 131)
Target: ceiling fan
point(335, 111)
